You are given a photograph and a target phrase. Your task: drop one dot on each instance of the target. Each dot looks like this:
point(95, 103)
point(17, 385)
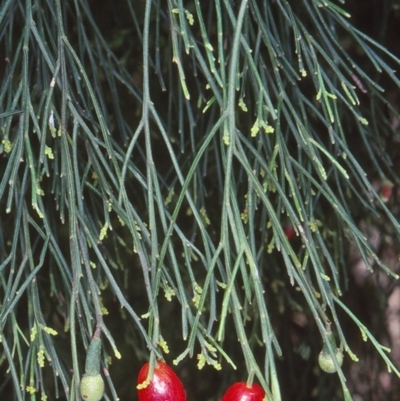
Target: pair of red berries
point(166, 386)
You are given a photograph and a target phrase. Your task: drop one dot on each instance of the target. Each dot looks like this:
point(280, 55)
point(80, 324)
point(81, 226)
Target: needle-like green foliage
point(155, 153)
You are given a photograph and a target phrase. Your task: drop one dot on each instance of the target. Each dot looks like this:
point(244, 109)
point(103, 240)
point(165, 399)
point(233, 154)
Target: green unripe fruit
point(92, 384)
point(92, 387)
point(325, 359)
point(326, 362)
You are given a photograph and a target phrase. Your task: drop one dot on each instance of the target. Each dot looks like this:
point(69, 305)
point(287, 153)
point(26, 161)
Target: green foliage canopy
point(167, 155)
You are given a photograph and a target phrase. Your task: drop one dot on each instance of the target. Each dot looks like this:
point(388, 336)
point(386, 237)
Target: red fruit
point(241, 392)
point(386, 191)
point(164, 386)
point(289, 231)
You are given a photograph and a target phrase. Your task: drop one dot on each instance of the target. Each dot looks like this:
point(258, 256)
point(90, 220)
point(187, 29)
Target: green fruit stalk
point(92, 384)
point(92, 364)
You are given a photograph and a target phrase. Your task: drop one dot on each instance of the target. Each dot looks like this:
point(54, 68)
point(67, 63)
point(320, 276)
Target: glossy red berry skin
point(164, 386)
point(386, 191)
point(289, 231)
point(241, 392)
